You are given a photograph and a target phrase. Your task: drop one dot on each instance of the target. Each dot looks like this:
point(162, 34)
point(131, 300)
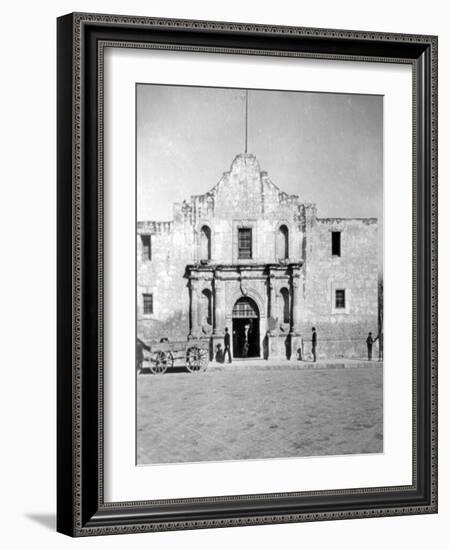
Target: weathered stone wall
point(163, 276)
point(245, 196)
point(341, 333)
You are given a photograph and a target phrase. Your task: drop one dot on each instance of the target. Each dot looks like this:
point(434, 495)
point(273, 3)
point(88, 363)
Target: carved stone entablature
point(245, 272)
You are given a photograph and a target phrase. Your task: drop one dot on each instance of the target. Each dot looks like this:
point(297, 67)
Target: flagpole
point(246, 121)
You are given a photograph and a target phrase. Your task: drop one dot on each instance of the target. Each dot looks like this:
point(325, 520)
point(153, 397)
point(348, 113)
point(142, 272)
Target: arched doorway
point(245, 328)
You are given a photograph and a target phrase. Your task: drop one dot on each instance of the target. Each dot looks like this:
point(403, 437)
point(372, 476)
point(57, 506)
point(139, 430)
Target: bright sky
point(326, 148)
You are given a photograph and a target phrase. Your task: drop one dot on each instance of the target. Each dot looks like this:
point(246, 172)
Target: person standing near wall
point(369, 345)
point(227, 345)
point(314, 343)
point(219, 356)
point(300, 350)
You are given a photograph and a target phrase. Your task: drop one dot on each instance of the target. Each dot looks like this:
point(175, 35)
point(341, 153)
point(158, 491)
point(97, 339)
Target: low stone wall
point(286, 347)
point(284, 364)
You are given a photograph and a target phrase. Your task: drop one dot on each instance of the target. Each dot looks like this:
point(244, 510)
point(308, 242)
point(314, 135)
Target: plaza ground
point(272, 411)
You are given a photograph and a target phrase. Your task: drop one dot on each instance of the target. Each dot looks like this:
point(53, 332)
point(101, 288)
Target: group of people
point(369, 345)
point(221, 354)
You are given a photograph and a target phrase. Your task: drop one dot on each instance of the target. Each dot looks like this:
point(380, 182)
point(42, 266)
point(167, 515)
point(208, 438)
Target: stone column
point(295, 340)
point(271, 298)
point(296, 289)
point(276, 348)
point(279, 306)
point(219, 303)
point(200, 308)
point(194, 308)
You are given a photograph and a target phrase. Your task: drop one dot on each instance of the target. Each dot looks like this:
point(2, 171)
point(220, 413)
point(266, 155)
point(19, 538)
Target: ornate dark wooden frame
point(81, 509)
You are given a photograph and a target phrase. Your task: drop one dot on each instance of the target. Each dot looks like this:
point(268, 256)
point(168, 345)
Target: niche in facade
point(285, 296)
point(206, 309)
point(205, 243)
point(282, 244)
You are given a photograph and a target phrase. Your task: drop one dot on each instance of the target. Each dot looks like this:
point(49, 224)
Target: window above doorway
point(245, 243)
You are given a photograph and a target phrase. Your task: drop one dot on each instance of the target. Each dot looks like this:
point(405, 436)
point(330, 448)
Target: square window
point(146, 247)
point(245, 243)
point(147, 304)
point(336, 243)
point(340, 299)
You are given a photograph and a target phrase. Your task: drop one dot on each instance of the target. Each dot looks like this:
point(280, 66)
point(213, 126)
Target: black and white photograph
point(259, 261)
point(221, 300)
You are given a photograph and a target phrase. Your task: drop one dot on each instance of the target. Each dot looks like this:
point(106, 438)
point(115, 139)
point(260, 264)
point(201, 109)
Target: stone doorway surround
point(261, 283)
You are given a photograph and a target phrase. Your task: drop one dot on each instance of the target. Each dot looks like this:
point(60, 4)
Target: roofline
point(371, 219)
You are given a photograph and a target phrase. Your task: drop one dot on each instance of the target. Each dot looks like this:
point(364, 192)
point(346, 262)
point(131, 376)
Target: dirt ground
point(245, 414)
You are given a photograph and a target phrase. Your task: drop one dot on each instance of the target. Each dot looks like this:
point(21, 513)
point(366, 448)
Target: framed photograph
point(247, 274)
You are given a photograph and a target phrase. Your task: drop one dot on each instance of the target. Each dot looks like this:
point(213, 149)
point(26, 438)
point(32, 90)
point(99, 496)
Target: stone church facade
point(250, 258)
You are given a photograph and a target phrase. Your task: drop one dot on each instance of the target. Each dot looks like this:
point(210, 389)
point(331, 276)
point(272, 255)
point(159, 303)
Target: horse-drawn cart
point(192, 354)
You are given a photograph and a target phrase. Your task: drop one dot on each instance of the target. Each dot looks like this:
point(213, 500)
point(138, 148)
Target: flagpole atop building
point(246, 121)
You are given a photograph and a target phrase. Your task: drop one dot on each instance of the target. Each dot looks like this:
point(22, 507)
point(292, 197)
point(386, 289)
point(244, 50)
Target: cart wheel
point(197, 359)
point(160, 361)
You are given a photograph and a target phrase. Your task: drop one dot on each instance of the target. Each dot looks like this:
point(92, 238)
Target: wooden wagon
point(192, 354)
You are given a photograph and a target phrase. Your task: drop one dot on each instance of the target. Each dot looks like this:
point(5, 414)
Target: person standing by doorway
point(247, 327)
point(369, 345)
point(246, 340)
point(227, 345)
point(314, 343)
point(300, 350)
